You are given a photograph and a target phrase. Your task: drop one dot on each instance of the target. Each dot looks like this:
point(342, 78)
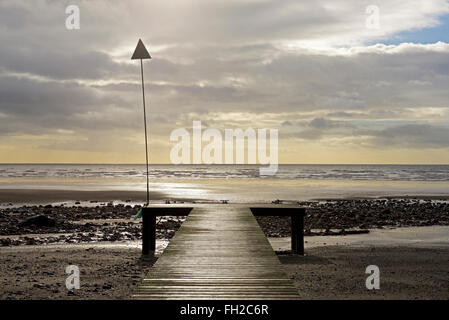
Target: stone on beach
point(40, 220)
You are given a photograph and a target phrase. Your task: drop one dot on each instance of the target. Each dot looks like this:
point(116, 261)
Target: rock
point(5, 242)
point(40, 221)
point(30, 241)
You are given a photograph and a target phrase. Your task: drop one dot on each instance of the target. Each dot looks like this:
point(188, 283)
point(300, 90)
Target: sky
point(336, 90)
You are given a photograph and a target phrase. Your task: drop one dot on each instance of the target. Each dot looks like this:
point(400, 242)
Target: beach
point(47, 224)
point(39, 272)
point(333, 267)
point(407, 238)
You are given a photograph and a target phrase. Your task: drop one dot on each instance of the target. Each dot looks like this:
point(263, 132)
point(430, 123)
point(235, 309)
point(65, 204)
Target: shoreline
point(423, 237)
point(24, 196)
point(96, 220)
point(427, 237)
point(406, 196)
point(38, 196)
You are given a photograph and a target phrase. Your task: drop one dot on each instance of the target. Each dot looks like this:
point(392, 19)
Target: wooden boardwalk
point(219, 252)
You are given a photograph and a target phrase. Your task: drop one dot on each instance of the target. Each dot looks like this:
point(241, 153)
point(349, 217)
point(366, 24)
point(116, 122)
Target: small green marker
point(137, 216)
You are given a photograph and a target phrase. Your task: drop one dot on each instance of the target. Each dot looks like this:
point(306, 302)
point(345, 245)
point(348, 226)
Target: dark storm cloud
point(409, 135)
point(340, 114)
point(62, 65)
point(325, 124)
point(31, 106)
point(26, 96)
point(412, 135)
point(319, 128)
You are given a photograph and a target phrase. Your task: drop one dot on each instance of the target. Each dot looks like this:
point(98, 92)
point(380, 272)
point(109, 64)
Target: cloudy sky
point(337, 91)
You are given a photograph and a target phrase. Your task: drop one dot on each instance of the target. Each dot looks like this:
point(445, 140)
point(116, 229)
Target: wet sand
point(111, 273)
point(413, 264)
point(338, 272)
point(326, 272)
point(424, 237)
point(47, 196)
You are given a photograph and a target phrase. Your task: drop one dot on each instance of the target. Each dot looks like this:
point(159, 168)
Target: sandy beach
point(333, 267)
point(39, 272)
point(338, 272)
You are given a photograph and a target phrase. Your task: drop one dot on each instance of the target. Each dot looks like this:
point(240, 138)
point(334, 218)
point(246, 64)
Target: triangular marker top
point(140, 52)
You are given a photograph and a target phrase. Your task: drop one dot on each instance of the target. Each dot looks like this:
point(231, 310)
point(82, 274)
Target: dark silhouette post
point(297, 222)
point(297, 225)
point(148, 233)
point(142, 53)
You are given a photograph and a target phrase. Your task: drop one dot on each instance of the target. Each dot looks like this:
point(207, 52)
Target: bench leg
point(148, 233)
point(297, 223)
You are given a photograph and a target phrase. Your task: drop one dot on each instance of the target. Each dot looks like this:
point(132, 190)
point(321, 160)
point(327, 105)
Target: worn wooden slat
point(219, 252)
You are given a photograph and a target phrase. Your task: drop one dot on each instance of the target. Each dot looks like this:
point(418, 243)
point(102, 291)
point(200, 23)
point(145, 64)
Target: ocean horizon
point(237, 183)
point(405, 172)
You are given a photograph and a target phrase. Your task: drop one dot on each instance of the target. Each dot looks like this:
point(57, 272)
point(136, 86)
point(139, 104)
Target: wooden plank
point(219, 252)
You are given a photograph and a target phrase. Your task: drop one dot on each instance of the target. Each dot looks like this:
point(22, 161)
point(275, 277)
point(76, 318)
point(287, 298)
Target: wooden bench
point(150, 213)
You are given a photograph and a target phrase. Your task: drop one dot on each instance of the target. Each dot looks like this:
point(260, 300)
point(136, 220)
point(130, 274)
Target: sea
point(237, 183)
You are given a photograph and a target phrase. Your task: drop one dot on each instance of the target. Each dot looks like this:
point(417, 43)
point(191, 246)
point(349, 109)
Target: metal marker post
point(142, 53)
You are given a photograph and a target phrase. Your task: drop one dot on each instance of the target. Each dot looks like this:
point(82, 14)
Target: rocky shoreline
point(44, 224)
point(341, 217)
